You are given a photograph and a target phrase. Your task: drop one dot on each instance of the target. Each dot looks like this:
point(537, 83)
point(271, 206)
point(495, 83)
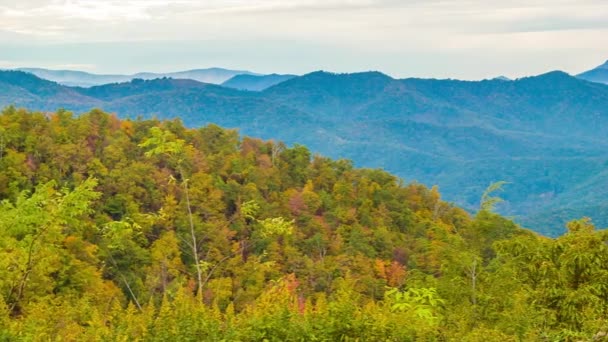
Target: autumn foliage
point(146, 230)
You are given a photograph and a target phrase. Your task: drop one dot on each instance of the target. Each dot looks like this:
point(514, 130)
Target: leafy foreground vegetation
point(145, 230)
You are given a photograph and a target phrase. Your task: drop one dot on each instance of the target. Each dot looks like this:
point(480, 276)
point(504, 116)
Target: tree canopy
point(146, 230)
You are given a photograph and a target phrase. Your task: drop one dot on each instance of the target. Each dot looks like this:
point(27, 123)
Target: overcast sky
point(466, 39)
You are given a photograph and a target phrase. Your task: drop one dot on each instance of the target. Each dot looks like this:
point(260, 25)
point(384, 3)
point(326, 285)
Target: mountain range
point(237, 79)
point(544, 135)
point(85, 79)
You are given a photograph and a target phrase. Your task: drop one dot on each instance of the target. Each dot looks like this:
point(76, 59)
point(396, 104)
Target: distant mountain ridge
point(599, 74)
point(85, 79)
point(256, 82)
point(545, 134)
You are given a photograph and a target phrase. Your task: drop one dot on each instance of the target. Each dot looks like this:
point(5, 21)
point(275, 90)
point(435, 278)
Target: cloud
point(99, 20)
point(402, 35)
point(110, 10)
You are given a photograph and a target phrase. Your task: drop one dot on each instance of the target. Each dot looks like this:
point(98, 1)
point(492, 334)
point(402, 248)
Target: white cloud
point(84, 19)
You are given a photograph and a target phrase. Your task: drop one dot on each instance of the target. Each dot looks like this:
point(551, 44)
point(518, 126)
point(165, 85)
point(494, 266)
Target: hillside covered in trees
point(545, 135)
point(146, 230)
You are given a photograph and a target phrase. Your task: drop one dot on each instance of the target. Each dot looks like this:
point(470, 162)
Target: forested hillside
point(545, 135)
point(125, 230)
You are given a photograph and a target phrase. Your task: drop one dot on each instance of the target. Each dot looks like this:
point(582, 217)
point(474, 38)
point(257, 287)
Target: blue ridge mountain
point(545, 134)
point(255, 82)
point(599, 74)
point(85, 79)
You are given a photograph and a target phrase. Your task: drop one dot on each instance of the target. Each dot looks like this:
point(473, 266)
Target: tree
point(32, 231)
point(489, 202)
point(164, 143)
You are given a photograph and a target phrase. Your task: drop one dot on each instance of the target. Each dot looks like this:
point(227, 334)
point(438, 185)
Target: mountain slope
point(545, 135)
point(75, 78)
point(138, 86)
point(599, 74)
point(145, 230)
point(542, 134)
point(24, 89)
point(256, 82)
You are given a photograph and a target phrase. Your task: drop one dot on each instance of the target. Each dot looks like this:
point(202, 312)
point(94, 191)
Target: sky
point(463, 39)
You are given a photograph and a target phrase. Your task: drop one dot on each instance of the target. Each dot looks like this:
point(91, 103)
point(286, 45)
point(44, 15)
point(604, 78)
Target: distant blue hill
point(256, 82)
point(85, 79)
point(599, 74)
point(545, 135)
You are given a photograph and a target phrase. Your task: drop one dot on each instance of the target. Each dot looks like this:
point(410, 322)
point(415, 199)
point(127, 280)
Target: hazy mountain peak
point(85, 79)
point(165, 81)
point(599, 74)
point(16, 75)
point(556, 74)
point(338, 84)
point(361, 74)
point(27, 81)
point(367, 77)
point(554, 77)
point(139, 86)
